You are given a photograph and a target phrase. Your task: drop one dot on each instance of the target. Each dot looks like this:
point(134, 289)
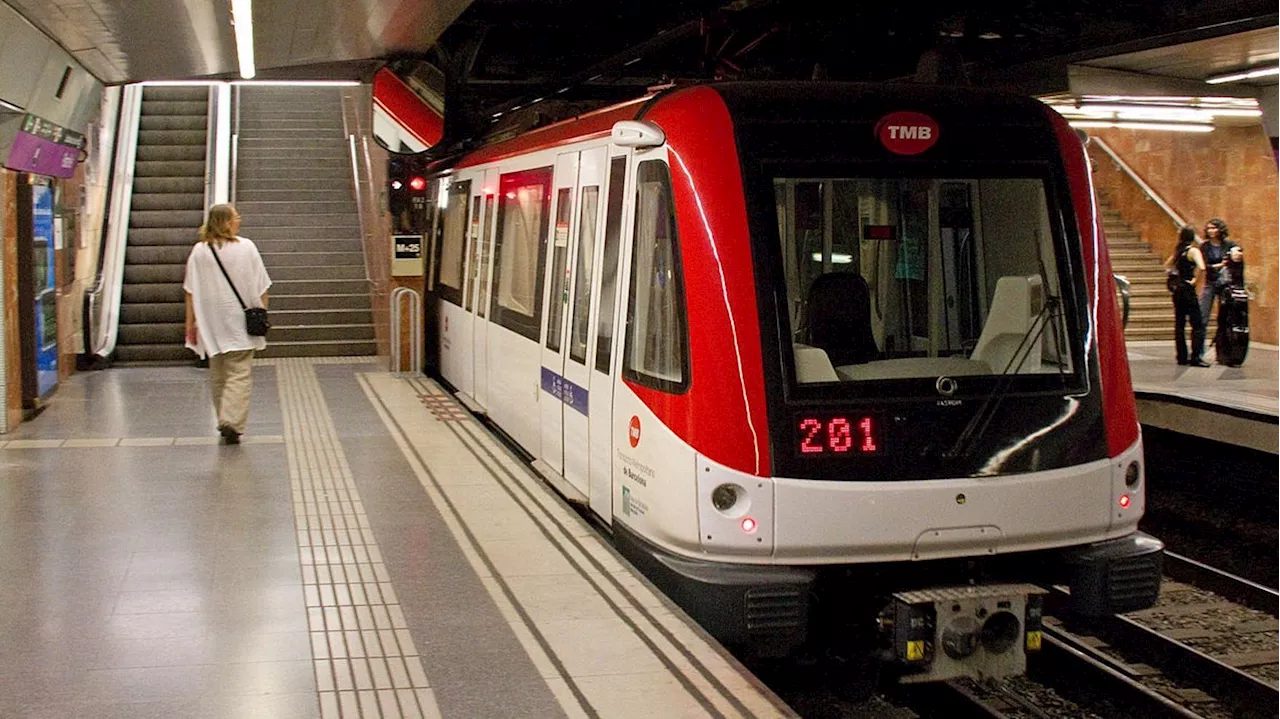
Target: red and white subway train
point(835, 362)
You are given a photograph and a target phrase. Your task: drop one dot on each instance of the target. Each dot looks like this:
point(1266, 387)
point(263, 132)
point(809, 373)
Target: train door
point(601, 362)
point(555, 392)
point(579, 405)
point(481, 262)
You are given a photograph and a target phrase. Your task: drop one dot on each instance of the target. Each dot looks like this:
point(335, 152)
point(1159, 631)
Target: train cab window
point(609, 267)
point(656, 345)
point(559, 259)
point(582, 275)
point(893, 279)
point(524, 207)
point(453, 241)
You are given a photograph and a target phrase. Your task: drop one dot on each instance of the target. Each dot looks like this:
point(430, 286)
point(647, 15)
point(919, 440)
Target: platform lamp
point(242, 20)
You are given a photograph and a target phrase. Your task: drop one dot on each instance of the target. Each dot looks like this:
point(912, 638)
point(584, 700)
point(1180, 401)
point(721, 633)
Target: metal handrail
point(415, 328)
point(1150, 193)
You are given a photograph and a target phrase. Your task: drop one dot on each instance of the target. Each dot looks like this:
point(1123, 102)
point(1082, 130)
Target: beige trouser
point(231, 377)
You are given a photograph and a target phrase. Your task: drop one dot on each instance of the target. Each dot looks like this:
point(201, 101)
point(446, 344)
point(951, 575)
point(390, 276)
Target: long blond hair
point(217, 226)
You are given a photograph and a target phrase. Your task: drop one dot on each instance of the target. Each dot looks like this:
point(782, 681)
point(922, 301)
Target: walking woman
point(1187, 265)
point(215, 319)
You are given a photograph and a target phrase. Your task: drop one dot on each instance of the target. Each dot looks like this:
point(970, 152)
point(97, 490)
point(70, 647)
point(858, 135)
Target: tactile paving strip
point(366, 664)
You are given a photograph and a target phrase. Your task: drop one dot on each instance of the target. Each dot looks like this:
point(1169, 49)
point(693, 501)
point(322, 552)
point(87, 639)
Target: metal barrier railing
point(415, 328)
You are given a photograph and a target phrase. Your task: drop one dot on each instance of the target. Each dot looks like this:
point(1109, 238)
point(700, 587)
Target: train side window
point(609, 267)
point(582, 275)
point(559, 258)
point(482, 305)
point(452, 248)
point(473, 272)
point(655, 354)
point(521, 250)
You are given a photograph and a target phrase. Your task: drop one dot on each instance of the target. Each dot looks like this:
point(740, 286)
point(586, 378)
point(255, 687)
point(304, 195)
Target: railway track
point(1208, 646)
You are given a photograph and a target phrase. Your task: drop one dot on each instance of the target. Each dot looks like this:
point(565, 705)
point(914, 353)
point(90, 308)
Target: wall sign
point(406, 255)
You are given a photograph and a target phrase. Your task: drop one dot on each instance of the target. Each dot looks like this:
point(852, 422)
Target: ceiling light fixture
point(298, 83)
point(1131, 125)
point(242, 18)
point(1246, 75)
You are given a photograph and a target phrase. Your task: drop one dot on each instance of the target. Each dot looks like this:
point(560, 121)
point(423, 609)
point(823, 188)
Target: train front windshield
point(893, 281)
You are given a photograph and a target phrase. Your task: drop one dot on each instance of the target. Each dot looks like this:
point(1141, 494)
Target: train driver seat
point(1014, 308)
point(839, 318)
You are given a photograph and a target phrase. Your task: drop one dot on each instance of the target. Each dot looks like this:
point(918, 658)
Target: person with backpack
point(1185, 266)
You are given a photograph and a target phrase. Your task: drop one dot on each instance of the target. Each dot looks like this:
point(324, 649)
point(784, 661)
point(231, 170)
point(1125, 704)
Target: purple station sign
point(43, 148)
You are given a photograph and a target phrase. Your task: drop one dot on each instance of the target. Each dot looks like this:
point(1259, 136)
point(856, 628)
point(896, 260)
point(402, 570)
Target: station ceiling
point(506, 51)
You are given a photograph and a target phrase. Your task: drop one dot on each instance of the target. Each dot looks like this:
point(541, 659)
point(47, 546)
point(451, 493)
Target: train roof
point(777, 102)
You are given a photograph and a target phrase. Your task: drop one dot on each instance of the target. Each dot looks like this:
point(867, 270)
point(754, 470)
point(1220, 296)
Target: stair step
point(154, 274)
point(156, 255)
point(173, 122)
point(152, 333)
point(319, 286)
point(287, 183)
point(154, 353)
point(175, 107)
point(167, 201)
point(166, 218)
point(312, 259)
point(320, 333)
point(319, 317)
point(185, 236)
point(337, 272)
point(172, 138)
point(169, 168)
point(343, 194)
point(171, 152)
point(339, 348)
point(175, 92)
point(307, 245)
point(177, 185)
point(153, 312)
point(285, 207)
point(168, 292)
point(348, 220)
point(286, 302)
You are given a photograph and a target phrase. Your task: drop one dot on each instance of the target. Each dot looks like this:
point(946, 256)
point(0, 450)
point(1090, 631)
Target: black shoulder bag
point(255, 318)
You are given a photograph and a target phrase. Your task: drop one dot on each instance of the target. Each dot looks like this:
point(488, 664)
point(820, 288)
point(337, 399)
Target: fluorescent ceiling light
point(1132, 125)
point(242, 16)
point(299, 83)
point(1247, 75)
point(179, 83)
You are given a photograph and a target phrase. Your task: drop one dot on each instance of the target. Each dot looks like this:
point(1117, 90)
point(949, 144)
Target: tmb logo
point(633, 431)
point(907, 133)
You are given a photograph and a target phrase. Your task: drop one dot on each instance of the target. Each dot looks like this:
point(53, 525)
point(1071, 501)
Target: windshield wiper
point(977, 426)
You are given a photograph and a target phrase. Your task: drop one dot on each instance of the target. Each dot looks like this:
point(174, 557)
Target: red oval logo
point(907, 133)
point(633, 431)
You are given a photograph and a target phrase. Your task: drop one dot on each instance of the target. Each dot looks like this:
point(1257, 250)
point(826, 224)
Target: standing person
point(215, 319)
point(1215, 249)
point(1186, 263)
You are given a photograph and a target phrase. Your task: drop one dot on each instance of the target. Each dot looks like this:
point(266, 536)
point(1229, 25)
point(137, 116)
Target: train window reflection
point(559, 261)
point(609, 267)
point(655, 350)
point(524, 206)
point(582, 275)
point(453, 242)
point(920, 277)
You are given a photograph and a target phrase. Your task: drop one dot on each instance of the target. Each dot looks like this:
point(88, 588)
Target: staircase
point(294, 192)
point(167, 210)
point(1150, 304)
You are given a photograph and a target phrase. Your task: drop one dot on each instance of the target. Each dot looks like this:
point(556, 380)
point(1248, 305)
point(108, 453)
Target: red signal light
point(417, 184)
point(748, 525)
point(1124, 501)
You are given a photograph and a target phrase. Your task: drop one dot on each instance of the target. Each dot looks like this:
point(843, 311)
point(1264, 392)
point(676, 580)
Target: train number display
point(837, 435)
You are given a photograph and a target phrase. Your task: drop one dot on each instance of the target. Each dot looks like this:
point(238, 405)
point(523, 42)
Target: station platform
point(1235, 405)
point(369, 550)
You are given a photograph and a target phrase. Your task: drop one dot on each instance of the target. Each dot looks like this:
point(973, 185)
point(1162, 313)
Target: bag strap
point(243, 306)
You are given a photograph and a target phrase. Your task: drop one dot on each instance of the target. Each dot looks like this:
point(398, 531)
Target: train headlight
point(725, 496)
point(1132, 475)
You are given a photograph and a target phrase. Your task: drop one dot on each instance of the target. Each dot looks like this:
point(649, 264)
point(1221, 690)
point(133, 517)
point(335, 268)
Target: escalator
point(167, 208)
